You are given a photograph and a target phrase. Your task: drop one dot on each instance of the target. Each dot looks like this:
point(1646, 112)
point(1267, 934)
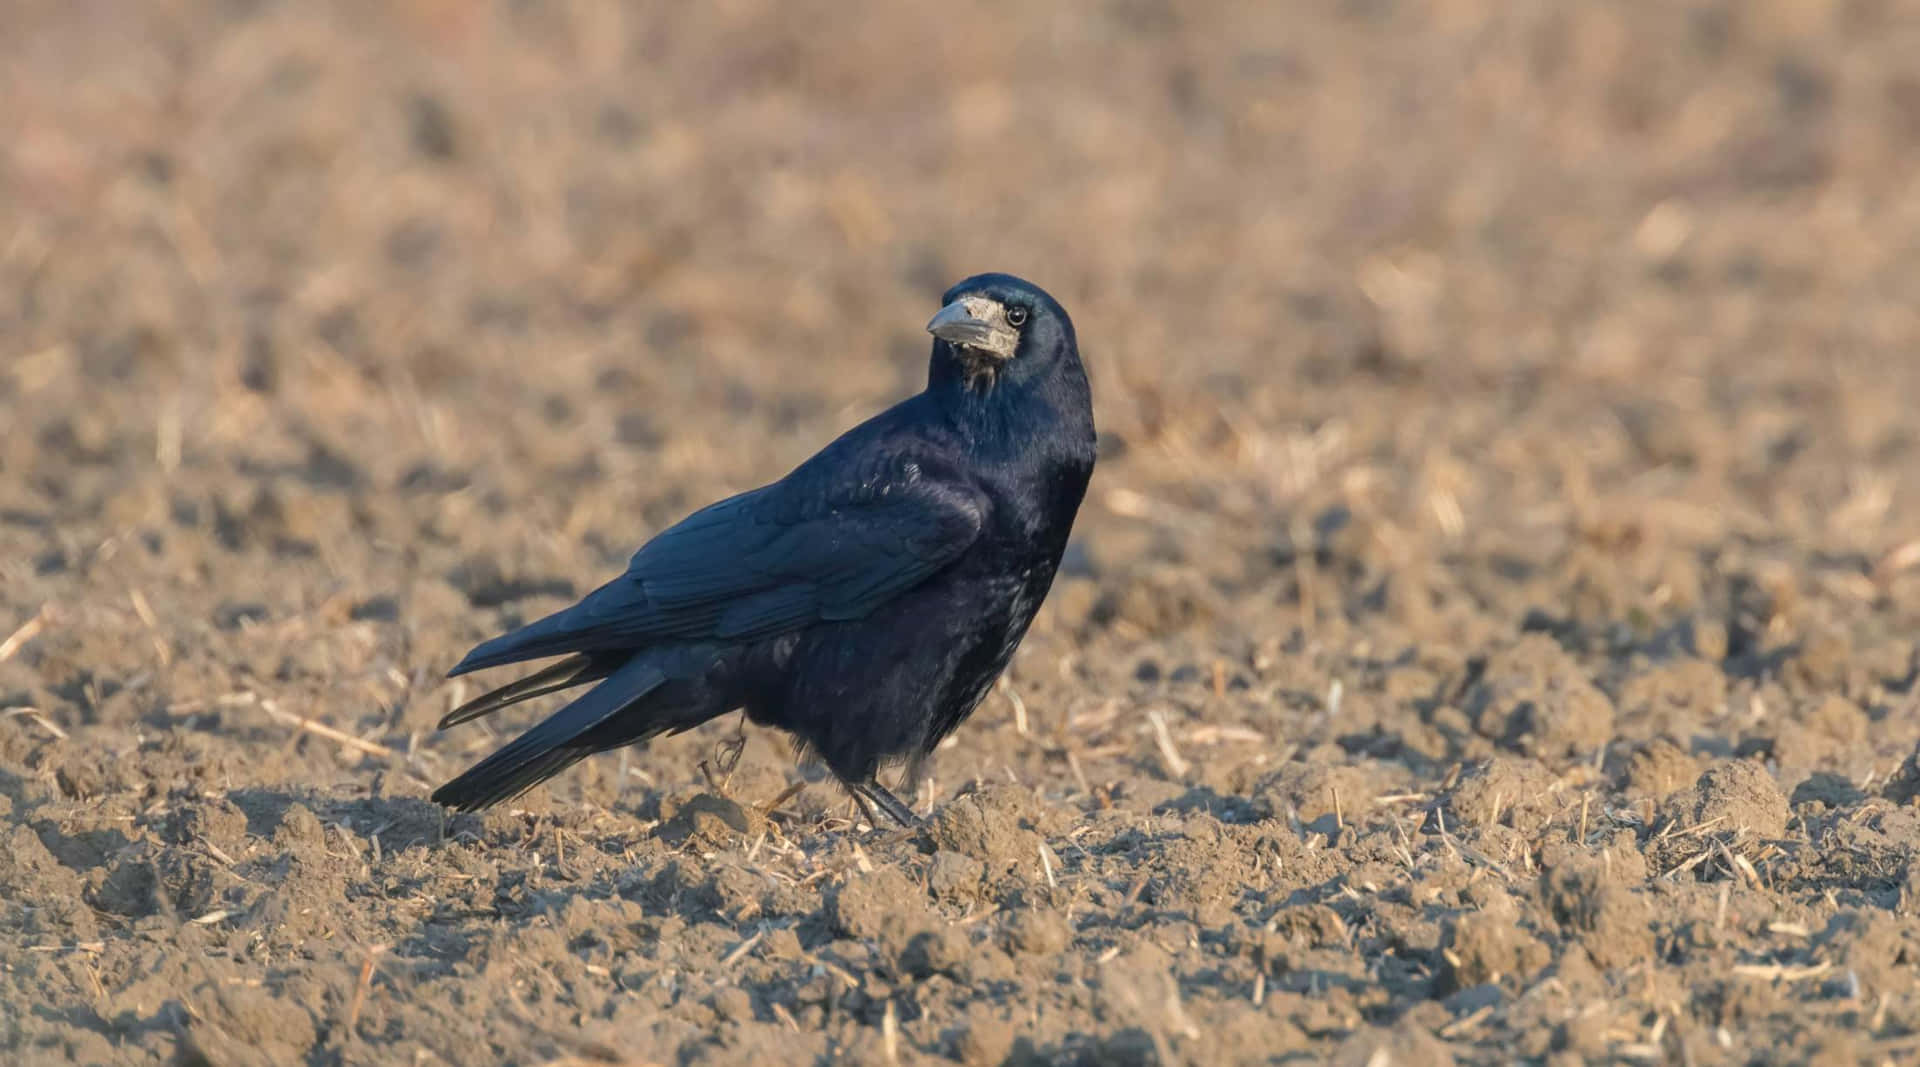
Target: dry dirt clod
point(1612, 920)
point(1734, 795)
point(867, 904)
point(1660, 768)
point(1488, 948)
point(214, 821)
point(1509, 791)
point(1536, 699)
point(244, 1024)
point(985, 1040)
point(955, 877)
point(1037, 933)
point(1673, 699)
point(708, 820)
point(940, 949)
point(993, 827)
point(1312, 792)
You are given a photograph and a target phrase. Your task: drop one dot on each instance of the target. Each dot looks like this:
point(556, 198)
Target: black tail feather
point(564, 738)
point(491, 781)
point(528, 642)
point(579, 628)
point(572, 671)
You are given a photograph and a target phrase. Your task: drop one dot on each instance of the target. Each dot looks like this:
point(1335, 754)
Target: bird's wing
point(830, 542)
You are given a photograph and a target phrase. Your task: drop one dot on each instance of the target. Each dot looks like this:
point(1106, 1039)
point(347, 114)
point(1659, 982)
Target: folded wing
point(773, 560)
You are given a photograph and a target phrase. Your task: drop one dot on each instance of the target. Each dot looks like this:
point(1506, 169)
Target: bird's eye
point(1016, 316)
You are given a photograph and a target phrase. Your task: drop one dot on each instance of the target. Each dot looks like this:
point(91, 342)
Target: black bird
point(864, 603)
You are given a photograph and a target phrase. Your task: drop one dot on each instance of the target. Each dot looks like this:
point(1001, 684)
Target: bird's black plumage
point(864, 603)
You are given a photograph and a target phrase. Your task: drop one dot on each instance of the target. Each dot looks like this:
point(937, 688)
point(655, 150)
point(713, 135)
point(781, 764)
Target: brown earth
point(1491, 632)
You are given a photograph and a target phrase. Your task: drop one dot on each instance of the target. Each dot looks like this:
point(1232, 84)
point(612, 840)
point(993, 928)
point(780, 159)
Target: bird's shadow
point(399, 821)
point(1204, 800)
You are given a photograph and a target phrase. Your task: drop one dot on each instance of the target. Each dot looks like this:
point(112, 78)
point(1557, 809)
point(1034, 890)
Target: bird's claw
point(727, 754)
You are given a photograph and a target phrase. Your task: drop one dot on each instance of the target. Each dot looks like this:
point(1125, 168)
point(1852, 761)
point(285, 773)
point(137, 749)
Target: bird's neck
point(1007, 418)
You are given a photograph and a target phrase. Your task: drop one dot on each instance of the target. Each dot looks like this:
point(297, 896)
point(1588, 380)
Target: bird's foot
point(892, 806)
point(726, 757)
point(728, 752)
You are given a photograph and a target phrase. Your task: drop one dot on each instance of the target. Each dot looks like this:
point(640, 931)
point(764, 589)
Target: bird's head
point(996, 327)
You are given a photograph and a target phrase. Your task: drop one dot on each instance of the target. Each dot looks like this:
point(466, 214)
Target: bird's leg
point(726, 757)
point(917, 782)
point(731, 748)
point(862, 808)
point(872, 790)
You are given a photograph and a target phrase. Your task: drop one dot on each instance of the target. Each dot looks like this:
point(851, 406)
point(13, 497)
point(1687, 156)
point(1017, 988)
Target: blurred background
point(1458, 266)
point(337, 336)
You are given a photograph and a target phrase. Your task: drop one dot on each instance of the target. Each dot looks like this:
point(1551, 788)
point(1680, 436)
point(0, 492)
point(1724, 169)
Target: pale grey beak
point(956, 325)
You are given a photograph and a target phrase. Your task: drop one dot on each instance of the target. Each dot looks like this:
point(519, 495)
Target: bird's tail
point(564, 738)
point(579, 628)
point(574, 670)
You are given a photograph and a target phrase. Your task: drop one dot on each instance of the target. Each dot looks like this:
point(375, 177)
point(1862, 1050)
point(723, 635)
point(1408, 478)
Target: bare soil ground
point(1491, 633)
